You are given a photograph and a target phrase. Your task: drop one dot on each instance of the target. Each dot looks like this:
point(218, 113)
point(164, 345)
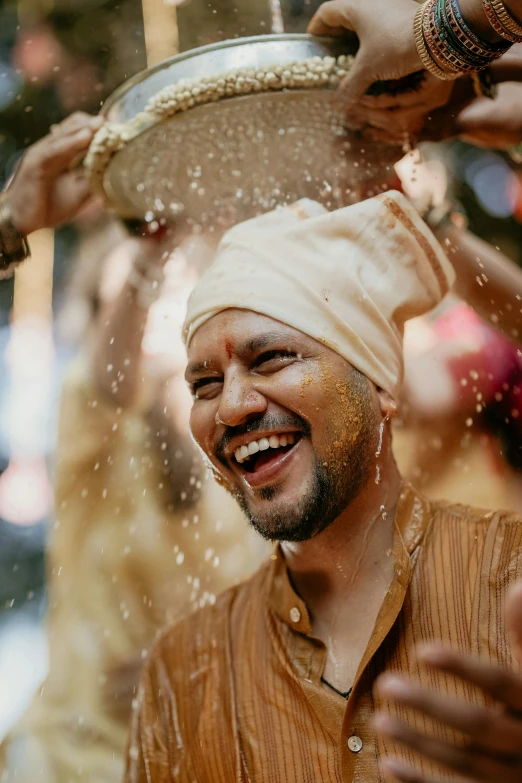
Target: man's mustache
point(270, 422)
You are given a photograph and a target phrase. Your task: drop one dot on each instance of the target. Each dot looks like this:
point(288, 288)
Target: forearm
point(486, 279)
point(473, 12)
point(117, 349)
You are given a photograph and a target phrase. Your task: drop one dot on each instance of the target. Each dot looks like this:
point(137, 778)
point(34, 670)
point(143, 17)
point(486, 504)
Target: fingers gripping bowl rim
point(230, 130)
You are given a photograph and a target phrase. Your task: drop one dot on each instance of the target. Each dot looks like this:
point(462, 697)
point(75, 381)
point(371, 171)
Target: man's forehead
point(246, 328)
point(241, 332)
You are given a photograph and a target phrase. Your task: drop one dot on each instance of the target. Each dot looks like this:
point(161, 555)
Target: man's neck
point(353, 551)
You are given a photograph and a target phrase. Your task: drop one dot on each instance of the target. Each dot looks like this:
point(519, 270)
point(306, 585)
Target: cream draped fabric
point(348, 278)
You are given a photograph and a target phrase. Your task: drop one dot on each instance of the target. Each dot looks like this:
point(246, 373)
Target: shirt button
point(355, 744)
point(295, 614)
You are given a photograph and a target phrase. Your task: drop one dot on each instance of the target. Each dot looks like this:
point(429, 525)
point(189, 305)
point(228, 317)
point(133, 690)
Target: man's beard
point(329, 493)
point(335, 482)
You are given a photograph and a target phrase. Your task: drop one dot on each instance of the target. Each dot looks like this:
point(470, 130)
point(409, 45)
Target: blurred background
point(57, 57)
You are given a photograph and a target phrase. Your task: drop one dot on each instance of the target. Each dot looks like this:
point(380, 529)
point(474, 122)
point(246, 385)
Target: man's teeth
point(273, 442)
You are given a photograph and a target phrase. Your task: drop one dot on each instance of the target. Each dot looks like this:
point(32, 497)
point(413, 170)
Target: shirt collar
point(411, 518)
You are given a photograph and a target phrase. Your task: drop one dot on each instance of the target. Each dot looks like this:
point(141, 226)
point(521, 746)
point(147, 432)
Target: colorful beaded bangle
point(505, 18)
point(437, 49)
point(497, 25)
point(424, 53)
point(463, 59)
point(472, 45)
point(484, 48)
point(447, 46)
point(436, 45)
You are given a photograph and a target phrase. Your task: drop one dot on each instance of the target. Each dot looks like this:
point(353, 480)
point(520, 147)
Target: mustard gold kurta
point(234, 693)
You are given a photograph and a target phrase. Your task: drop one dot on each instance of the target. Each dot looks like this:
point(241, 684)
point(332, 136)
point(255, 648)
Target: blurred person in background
point(460, 431)
point(140, 536)
point(65, 57)
point(459, 434)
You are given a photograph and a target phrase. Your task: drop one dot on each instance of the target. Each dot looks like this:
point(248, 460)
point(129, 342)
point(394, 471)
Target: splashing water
point(381, 435)
point(378, 453)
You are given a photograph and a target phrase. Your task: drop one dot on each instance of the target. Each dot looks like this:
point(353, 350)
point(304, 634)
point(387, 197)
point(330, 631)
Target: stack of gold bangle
point(448, 48)
point(428, 59)
point(13, 246)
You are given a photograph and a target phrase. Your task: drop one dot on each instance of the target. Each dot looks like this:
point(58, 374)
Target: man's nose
point(239, 401)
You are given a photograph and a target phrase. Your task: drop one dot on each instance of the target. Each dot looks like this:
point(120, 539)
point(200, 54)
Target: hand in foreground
point(495, 123)
point(481, 121)
point(493, 751)
point(387, 51)
point(45, 192)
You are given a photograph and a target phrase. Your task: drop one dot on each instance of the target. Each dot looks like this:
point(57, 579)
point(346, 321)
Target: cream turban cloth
point(349, 278)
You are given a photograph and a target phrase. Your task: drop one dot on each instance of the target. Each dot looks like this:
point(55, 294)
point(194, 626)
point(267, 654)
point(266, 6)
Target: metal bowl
point(223, 162)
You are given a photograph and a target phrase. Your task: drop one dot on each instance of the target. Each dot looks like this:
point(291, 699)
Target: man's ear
point(387, 403)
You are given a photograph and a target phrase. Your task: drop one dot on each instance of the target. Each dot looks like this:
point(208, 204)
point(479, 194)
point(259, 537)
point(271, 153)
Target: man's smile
point(258, 457)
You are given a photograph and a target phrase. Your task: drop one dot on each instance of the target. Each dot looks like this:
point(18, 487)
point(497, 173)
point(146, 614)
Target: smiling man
point(295, 362)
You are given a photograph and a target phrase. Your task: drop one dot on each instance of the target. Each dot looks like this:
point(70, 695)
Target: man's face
point(289, 427)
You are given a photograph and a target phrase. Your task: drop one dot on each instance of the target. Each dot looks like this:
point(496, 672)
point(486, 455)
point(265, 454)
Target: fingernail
point(391, 767)
point(392, 686)
point(96, 121)
point(429, 653)
point(84, 133)
point(396, 687)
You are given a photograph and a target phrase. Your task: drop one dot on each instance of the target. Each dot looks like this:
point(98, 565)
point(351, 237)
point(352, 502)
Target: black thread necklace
point(345, 695)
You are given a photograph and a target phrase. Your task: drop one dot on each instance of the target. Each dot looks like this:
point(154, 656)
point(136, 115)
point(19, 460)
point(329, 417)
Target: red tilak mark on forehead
point(228, 349)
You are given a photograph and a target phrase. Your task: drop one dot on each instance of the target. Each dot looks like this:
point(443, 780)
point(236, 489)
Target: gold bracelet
point(496, 24)
point(13, 246)
point(424, 53)
point(505, 18)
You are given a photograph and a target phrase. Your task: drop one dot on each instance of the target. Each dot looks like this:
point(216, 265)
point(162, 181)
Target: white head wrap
point(349, 278)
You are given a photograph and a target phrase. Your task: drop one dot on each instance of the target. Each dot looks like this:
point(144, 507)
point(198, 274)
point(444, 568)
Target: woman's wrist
point(14, 247)
point(474, 14)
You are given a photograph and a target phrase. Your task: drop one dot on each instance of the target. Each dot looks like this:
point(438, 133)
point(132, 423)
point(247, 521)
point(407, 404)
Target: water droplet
point(381, 434)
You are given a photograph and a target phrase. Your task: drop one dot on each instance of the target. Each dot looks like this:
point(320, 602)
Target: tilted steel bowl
point(222, 162)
